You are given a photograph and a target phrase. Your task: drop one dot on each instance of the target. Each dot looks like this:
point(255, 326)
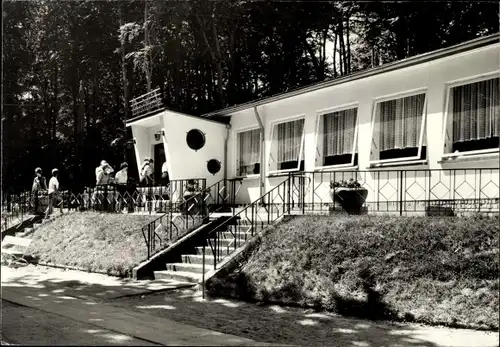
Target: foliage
point(345, 184)
point(428, 269)
point(70, 68)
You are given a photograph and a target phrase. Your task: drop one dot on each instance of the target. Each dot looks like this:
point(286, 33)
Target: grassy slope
point(433, 270)
point(110, 243)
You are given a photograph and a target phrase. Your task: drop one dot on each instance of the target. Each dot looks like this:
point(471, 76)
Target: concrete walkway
point(55, 292)
point(95, 309)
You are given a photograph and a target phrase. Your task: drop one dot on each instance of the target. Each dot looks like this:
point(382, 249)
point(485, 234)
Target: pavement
point(55, 307)
point(47, 306)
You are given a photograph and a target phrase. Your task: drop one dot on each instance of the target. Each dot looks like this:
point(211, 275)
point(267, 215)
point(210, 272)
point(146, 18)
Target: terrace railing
point(406, 192)
point(146, 103)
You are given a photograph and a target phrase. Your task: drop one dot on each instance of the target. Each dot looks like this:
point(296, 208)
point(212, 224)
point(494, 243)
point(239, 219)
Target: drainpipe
point(228, 126)
point(262, 151)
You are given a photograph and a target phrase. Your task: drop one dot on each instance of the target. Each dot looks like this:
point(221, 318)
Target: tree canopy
point(71, 67)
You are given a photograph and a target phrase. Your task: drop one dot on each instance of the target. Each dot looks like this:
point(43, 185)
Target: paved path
point(73, 305)
point(50, 294)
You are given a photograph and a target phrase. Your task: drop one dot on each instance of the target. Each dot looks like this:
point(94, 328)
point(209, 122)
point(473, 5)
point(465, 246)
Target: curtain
point(339, 132)
point(476, 110)
point(249, 155)
point(400, 122)
point(289, 140)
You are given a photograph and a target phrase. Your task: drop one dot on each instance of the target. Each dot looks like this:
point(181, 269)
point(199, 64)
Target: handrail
point(282, 191)
point(151, 228)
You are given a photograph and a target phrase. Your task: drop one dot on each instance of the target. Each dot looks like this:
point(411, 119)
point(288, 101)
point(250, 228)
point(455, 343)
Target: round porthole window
point(213, 166)
point(195, 139)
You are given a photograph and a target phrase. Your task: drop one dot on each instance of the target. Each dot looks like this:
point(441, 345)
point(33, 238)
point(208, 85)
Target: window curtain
point(289, 140)
point(400, 122)
point(476, 111)
point(249, 155)
point(339, 132)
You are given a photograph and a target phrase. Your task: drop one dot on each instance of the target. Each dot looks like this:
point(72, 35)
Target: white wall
point(433, 76)
point(183, 162)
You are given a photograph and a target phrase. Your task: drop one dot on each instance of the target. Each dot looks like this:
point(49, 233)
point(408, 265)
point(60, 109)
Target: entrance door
point(159, 160)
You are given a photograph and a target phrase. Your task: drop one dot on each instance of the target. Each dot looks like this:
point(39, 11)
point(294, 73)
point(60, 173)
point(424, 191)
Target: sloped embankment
point(97, 242)
point(430, 270)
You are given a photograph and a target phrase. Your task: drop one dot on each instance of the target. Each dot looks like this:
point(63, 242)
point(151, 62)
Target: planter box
point(351, 199)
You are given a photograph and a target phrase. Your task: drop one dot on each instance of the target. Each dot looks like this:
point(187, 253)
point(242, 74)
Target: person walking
point(39, 185)
point(54, 193)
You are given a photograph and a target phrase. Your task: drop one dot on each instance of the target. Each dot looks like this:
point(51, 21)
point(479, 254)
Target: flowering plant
point(193, 186)
point(345, 184)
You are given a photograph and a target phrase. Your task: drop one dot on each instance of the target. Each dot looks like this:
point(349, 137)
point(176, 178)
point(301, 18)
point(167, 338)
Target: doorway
point(159, 159)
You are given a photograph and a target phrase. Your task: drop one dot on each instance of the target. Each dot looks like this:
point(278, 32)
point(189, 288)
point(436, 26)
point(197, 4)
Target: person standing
point(147, 172)
point(39, 185)
point(54, 193)
point(103, 172)
point(121, 180)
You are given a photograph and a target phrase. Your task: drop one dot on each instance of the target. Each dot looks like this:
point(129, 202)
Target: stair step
point(181, 276)
point(12, 251)
point(223, 250)
point(186, 267)
point(198, 259)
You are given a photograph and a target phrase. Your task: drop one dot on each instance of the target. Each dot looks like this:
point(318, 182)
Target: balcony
point(146, 103)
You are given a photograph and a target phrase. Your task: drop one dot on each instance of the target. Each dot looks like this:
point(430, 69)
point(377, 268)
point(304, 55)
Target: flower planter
point(350, 199)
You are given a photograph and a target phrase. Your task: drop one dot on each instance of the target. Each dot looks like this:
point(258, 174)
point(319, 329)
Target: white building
point(406, 130)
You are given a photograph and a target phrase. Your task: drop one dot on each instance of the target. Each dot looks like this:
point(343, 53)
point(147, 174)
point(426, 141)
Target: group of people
point(104, 173)
point(104, 176)
point(40, 184)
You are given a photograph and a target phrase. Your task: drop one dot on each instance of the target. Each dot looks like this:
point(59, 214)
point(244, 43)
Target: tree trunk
point(348, 60)
point(147, 62)
point(335, 55)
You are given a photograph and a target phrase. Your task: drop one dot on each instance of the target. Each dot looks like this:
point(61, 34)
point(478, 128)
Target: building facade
point(418, 130)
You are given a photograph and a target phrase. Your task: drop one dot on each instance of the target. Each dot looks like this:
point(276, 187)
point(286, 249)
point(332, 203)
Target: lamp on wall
point(158, 135)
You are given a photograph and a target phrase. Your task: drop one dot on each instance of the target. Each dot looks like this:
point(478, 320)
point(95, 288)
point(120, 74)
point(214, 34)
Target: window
point(473, 117)
point(248, 162)
point(336, 144)
point(287, 146)
point(398, 129)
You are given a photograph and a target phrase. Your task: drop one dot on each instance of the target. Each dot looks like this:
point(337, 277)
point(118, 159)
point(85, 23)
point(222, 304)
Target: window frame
point(445, 130)
point(237, 151)
point(302, 143)
point(319, 116)
point(423, 127)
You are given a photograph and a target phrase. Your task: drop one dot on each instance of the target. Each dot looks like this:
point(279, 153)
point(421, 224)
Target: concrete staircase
point(190, 269)
point(17, 245)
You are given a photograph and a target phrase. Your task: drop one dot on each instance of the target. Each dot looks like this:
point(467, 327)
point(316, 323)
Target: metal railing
point(146, 102)
point(181, 218)
point(249, 221)
point(186, 215)
point(403, 192)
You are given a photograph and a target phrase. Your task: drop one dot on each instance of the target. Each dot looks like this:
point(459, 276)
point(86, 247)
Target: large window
point(287, 147)
point(473, 117)
point(336, 143)
point(248, 162)
point(399, 128)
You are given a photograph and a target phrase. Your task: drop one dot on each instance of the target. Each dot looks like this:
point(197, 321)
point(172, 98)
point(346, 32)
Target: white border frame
point(236, 151)
point(321, 113)
point(423, 128)
point(302, 143)
point(456, 83)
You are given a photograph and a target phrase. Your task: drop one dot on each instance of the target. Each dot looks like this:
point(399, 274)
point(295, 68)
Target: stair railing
point(181, 218)
point(252, 219)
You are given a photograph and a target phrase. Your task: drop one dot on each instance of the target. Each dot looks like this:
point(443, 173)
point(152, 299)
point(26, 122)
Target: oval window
point(195, 139)
point(213, 166)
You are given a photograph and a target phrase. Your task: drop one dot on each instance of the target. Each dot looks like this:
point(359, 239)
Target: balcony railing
point(146, 103)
